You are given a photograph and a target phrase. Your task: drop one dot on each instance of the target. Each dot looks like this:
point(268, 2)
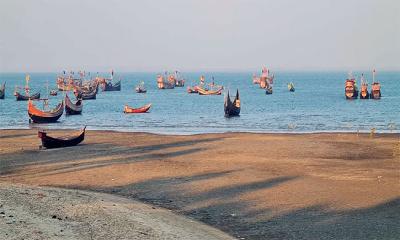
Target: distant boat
point(179, 80)
point(39, 116)
point(21, 97)
point(291, 87)
point(232, 109)
point(193, 89)
point(53, 92)
point(266, 79)
point(109, 86)
point(86, 94)
point(67, 141)
point(268, 90)
point(2, 91)
point(140, 88)
point(73, 108)
point(364, 94)
point(203, 91)
point(163, 84)
point(351, 90)
point(142, 109)
point(256, 80)
point(375, 88)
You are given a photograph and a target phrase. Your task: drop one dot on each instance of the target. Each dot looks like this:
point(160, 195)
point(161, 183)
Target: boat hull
point(50, 142)
point(143, 109)
point(38, 116)
point(21, 97)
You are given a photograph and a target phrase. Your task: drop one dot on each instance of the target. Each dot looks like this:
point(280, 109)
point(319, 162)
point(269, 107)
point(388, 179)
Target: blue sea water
point(317, 105)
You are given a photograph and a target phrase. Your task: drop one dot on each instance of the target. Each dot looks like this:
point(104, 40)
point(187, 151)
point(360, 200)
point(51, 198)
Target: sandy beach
point(251, 186)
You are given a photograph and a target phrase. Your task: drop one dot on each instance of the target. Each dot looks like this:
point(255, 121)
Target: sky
point(202, 35)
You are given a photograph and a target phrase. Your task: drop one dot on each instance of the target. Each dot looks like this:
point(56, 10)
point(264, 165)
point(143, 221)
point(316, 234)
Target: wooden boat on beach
point(351, 90)
point(2, 91)
point(39, 116)
point(232, 109)
point(203, 91)
point(142, 109)
point(291, 87)
point(59, 142)
point(364, 94)
point(73, 108)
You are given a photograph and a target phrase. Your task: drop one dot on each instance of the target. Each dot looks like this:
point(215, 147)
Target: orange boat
point(39, 116)
point(143, 109)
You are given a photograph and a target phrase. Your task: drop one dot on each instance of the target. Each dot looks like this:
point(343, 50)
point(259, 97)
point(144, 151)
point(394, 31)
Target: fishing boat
point(291, 87)
point(268, 90)
point(86, 94)
point(2, 91)
point(364, 94)
point(256, 80)
point(73, 108)
point(375, 88)
point(110, 86)
point(203, 91)
point(39, 116)
point(53, 93)
point(351, 90)
point(140, 88)
point(163, 84)
point(59, 142)
point(179, 80)
point(142, 109)
point(193, 89)
point(27, 95)
point(266, 79)
point(232, 108)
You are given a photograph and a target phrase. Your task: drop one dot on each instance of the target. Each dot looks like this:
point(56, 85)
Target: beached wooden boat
point(39, 116)
point(73, 108)
point(203, 91)
point(142, 109)
point(291, 87)
point(21, 97)
point(109, 86)
point(232, 109)
point(59, 142)
point(2, 91)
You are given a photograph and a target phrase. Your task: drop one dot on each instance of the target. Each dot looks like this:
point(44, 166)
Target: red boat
point(39, 116)
point(142, 109)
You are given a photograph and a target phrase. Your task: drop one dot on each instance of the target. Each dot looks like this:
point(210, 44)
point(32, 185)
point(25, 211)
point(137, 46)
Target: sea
point(317, 105)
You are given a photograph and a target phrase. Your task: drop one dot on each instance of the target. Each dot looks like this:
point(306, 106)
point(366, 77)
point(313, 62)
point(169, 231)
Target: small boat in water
point(179, 80)
point(39, 116)
point(110, 86)
point(351, 90)
point(291, 87)
point(53, 92)
point(59, 142)
point(140, 88)
point(375, 88)
point(73, 108)
point(364, 94)
point(203, 91)
point(2, 91)
point(163, 84)
point(86, 94)
point(142, 109)
point(26, 97)
point(268, 90)
point(193, 89)
point(232, 109)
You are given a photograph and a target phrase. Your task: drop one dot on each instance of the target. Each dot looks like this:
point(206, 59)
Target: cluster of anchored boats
point(352, 92)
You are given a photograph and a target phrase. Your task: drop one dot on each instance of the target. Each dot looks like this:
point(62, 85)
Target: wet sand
point(252, 186)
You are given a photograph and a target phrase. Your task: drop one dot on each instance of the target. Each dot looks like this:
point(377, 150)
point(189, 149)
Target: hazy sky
point(97, 35)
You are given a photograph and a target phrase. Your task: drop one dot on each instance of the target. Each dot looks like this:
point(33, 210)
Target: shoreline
point(255, 186)
point(385, 132)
